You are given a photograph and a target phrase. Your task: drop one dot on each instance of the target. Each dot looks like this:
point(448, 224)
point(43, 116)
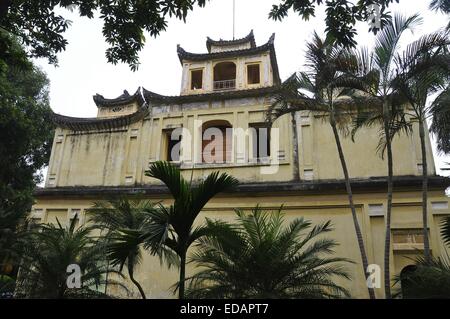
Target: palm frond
point(388, 38)
point(445, 230)
point(440, 127)
point(170, 175)
point(235, 259)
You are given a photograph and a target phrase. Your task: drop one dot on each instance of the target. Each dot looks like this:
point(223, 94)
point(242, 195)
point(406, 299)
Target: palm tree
point(326, 81)
point(445, 230)
point(172, 226)
point(116, 216)
point(440, 5)
point(440, 125)
point(262, 257)
point(422, 70)
point(377, 70)
point(429, 277)
point(49, 249)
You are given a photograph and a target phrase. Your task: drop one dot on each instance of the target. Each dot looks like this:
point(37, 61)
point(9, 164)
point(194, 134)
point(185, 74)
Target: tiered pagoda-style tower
point(231, 87)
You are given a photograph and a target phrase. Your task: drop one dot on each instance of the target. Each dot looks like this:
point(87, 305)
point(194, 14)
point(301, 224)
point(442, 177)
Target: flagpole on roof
point(234, 13)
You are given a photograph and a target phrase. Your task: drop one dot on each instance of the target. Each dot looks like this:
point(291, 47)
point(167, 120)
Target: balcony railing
point(224, 85)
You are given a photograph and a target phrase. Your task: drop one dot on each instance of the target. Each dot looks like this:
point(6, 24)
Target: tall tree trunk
point(135, 282)
point(295, 163)
point(387, 243)
point(182, 274)
point(426, 242)
point(348, 187)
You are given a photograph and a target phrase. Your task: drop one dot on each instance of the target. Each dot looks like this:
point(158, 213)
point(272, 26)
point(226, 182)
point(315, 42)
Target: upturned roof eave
point(248, 38)
point(89, 124)
point(123, 99)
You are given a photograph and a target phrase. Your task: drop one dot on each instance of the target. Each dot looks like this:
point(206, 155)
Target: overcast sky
point(83, 70)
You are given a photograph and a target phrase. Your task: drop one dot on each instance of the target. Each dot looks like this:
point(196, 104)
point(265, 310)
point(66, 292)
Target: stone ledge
point(373, 184)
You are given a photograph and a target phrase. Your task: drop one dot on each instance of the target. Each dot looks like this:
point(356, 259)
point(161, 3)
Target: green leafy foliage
point(26, 132)
point(125, 24)
point(445, 230)
point(341, 15)
point(172, 226)
point(426, 279)
point(440, 5)
point(379, 70)
point(47, 252)
point(440, 126)
point(123, 222)
point(261, 256)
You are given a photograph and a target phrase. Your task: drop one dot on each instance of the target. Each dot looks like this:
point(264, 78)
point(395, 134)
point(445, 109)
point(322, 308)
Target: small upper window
point(407, 236)
point(173, 146)
point(253, 74)
point(196, 79)
point(261, 141)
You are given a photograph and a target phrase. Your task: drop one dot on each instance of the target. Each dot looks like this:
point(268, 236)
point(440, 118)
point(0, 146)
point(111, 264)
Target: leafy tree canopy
point(41, 29)
point(341, 15)
point(26, 135)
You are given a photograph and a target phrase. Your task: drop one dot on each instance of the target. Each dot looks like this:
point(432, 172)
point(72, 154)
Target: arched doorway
point(217, 139)
point(225, 76)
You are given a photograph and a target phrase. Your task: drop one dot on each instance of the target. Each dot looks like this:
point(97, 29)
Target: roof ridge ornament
point(122, 99)
point(248, 38)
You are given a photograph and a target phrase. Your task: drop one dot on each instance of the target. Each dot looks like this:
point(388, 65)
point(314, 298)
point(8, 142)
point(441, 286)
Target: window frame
point(247, 65)
point(191, 71)
point(167, 143)
point(255, 142)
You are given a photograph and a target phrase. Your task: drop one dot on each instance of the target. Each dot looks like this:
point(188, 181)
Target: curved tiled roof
point(213, 96)
point(268, 46)
point(249, 38)
point(125, 98)
point(90, 124)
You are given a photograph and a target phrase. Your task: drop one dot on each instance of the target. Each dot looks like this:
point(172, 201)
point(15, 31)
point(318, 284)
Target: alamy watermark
point(374, 276)
point(226, 145)
point(374, 17)
point(74, 276)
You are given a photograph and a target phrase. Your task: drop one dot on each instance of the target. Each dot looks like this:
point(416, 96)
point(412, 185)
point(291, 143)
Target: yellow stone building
point(230, 86)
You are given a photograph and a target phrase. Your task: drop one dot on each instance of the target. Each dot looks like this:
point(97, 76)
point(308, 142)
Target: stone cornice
point(361, 185)
point(155, 98)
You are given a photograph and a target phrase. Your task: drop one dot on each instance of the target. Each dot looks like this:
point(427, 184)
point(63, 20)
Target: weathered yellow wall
point(157, 280)
point(121, 157)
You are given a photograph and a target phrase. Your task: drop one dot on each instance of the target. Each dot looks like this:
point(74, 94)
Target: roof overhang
point(362, 185)
point(250, 38)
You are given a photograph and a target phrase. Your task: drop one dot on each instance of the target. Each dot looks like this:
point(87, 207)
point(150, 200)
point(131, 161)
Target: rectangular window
point(260, 140)
point(196, 79)
point(253, 74)
point(173, 146)
point(407, 236)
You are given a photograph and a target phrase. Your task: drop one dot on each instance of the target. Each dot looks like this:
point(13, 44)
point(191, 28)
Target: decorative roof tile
point(91, 124)
point(249, 38)
point(123, 99)
point(213, 96)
